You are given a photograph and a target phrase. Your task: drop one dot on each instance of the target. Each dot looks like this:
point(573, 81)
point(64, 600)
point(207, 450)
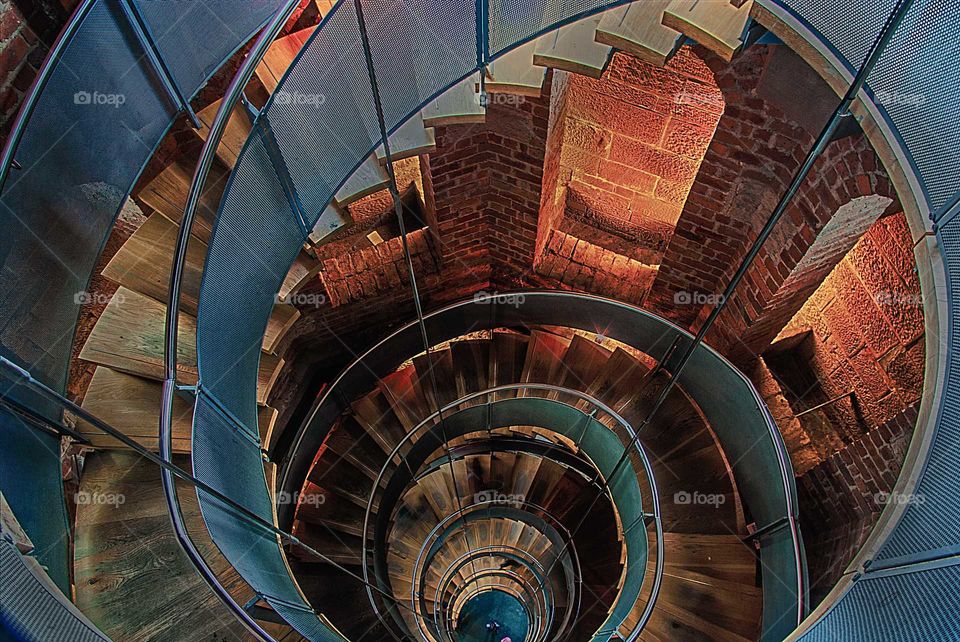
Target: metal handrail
point(512, 576)
point(546, 606)
point(208, 154)
point(36, 89)
point(419, 577)
point(546, 388)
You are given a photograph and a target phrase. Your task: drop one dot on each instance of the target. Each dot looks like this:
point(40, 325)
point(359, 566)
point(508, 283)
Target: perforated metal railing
point(740, 419)
point(92, 120)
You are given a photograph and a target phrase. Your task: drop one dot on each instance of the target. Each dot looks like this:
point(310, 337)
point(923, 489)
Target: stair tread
point(279, 56)
point(573, 48)
point(412, 138)
point(234, 135)
point(369, 178)
point(515, 73)
point(459, 105)
point(717, 26)
point(637, 29)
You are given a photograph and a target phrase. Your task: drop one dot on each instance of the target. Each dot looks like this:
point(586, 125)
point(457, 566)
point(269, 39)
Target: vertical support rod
point(142, 31)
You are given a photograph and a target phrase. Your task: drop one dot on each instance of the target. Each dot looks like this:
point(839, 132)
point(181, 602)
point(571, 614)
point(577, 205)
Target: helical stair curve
point(915, 557)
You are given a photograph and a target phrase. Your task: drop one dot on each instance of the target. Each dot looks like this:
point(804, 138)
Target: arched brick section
point(754, 154)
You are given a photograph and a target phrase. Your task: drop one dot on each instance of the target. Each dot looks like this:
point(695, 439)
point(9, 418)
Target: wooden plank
point(142, 264)
point(167, 194)
point(132, 405)
point(459, 105)
point(304, 268)
point(235, 134)
point(715, 24)
point(279, 56)
point(515, 73)
point(573, 48)
point(637, 29)
point(129, 337)
point(411, 139)
point(370, 177)
point(332, 219)
point(281, 320)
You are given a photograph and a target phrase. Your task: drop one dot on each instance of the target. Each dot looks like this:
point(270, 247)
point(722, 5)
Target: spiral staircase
point(540, 466)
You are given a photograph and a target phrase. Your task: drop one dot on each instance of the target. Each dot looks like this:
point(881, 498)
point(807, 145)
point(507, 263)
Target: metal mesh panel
point(902, 608)
point(232, 464)
point(255, 241)
point(914, 81)
point(515, 21)
point(193, 36)
point(323, 113)
point(31, 611)
point(778, 564)
point(437, 43)
point(80, 154)
point(932, 518)
point(30, 475)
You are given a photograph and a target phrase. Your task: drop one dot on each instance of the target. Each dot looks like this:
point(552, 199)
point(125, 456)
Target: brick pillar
point(486, 188)
point(755, 152)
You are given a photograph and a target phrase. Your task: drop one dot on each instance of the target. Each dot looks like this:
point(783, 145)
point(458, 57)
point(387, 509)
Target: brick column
point(486, 187)
point(755, 152)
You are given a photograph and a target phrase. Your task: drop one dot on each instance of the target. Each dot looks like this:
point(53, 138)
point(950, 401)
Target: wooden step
point(167, 195)
point(438, 368)
point(544, 361)
point(470, 361)
point(583, 362)
point(129, 337)
point(279, 56)
point(573, 48)
point(132, 405)
point(303, 270)
point(132, 579)
point(333, 218)
point(413, 138)
point(507, 354)
point(143, 263)
point(369, 178)
point(459, 105)
point(374, 414)
point(234, 136)
point(717, 25)
point(515, 73)
point(403, 393)
point(637, 29)
point(281, 320)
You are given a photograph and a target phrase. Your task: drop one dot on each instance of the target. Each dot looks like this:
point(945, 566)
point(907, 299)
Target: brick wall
point(747, 167)
point(486, 186)
point(21, 54)
point(863, 331)
point(842, 498)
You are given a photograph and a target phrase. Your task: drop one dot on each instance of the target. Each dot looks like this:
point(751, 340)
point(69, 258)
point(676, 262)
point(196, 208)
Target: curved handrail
point(419, 577)
point(655, 499)
point(545, 607)
point(533, 621)
point(207, 155)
